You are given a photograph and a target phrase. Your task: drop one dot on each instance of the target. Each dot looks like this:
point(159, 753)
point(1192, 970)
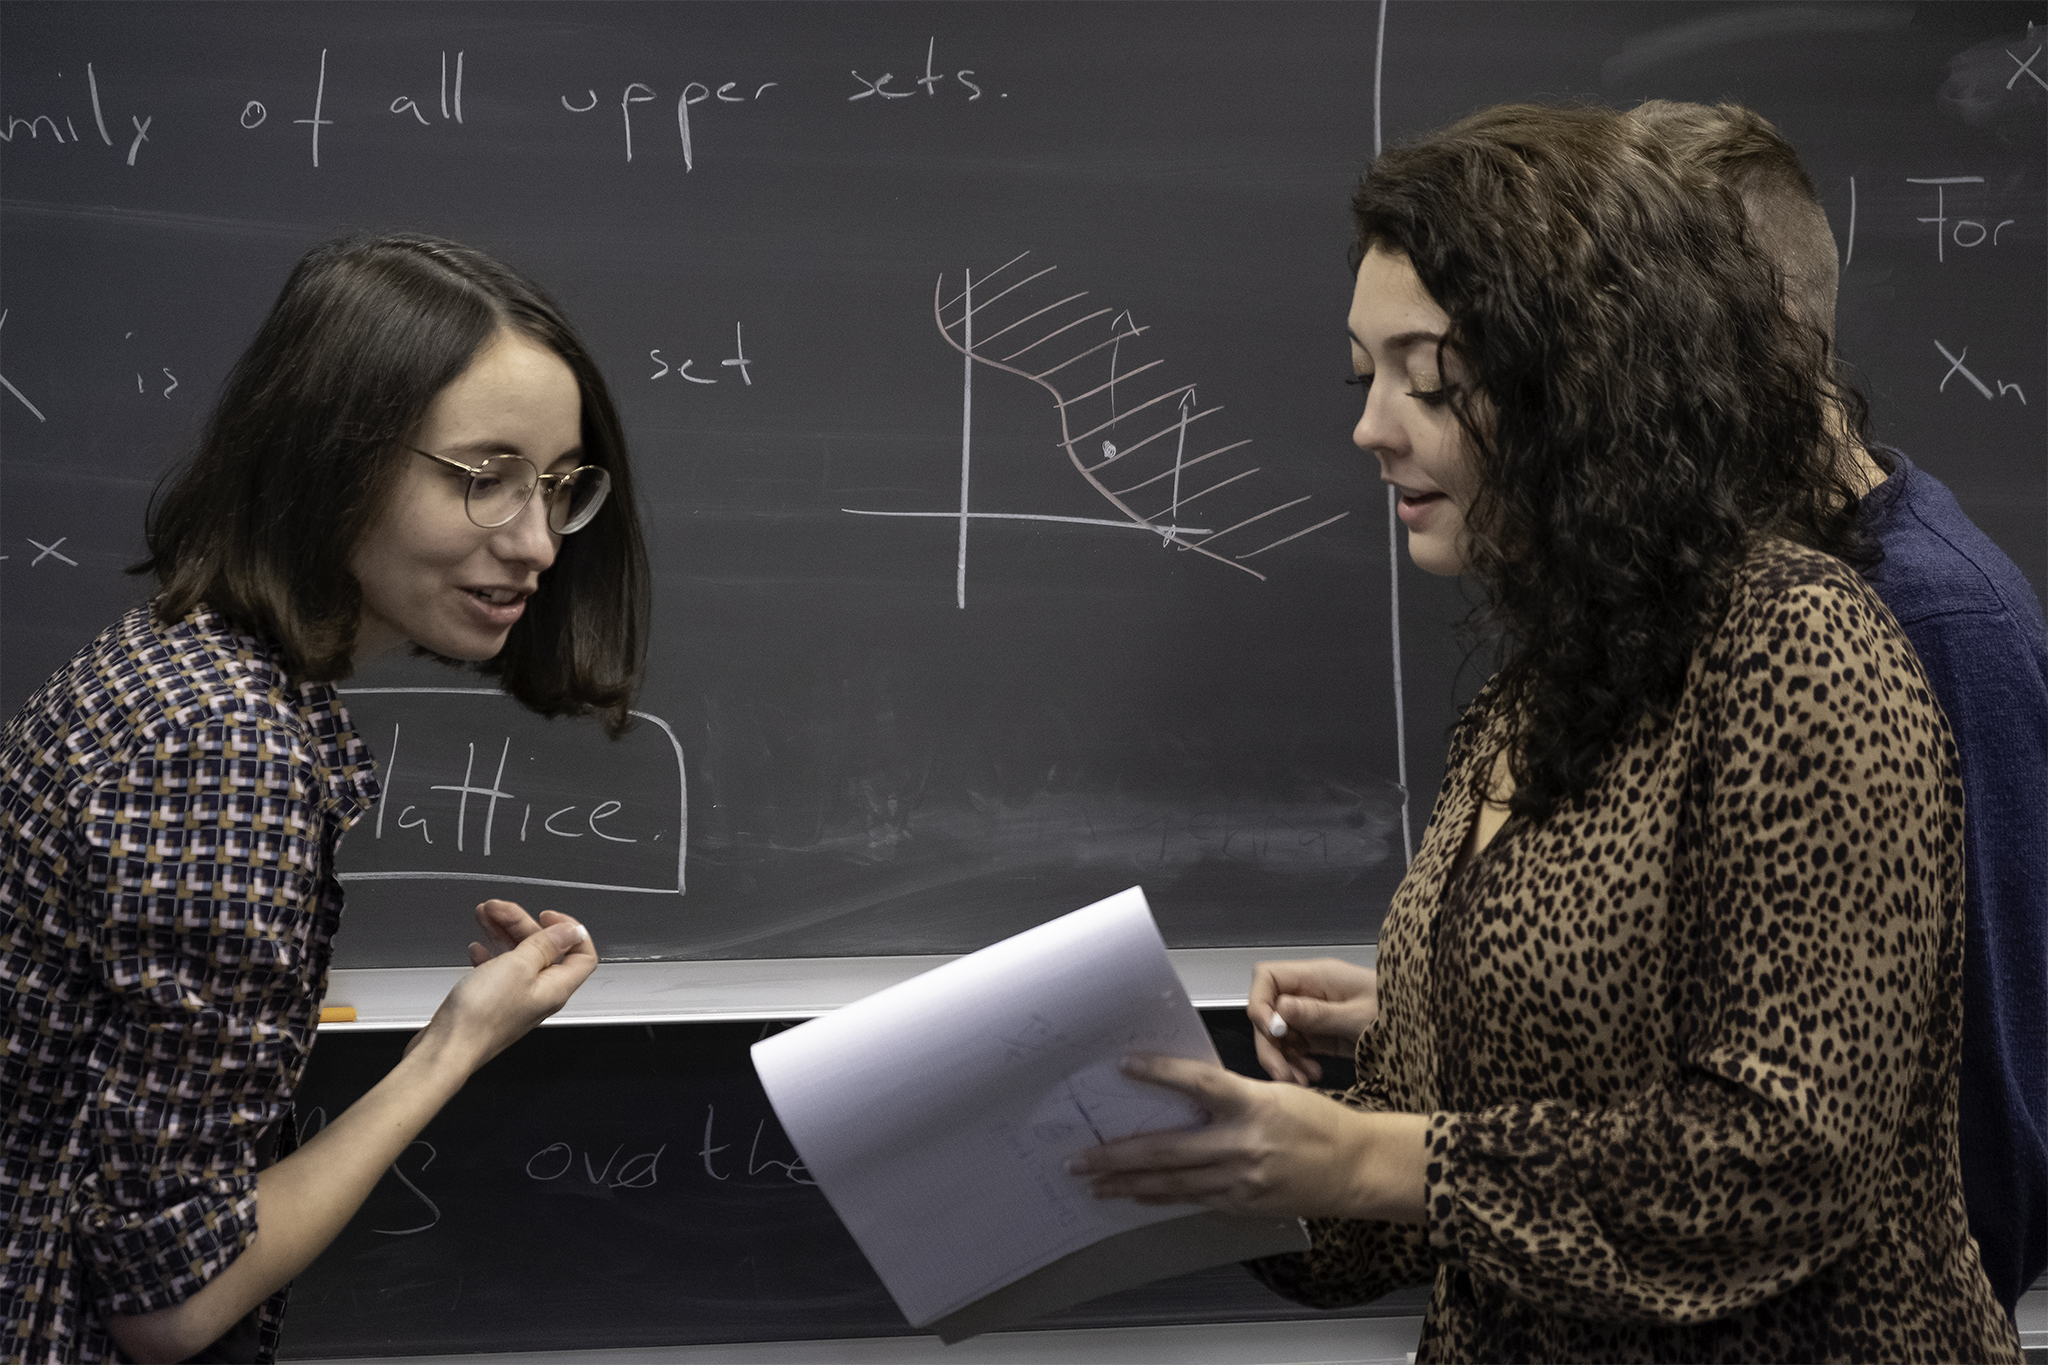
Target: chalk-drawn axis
point(1069, 397)
point(1060, 373)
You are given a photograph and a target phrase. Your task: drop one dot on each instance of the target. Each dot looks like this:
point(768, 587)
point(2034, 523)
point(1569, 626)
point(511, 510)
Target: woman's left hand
point(506, 925)
point(1270, 1149)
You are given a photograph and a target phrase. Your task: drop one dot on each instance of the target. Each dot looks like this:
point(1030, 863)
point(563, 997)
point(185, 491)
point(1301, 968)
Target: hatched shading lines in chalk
point(959, 320)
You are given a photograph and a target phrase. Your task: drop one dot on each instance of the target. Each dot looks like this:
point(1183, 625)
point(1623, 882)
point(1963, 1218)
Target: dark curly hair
point(308, 441)
point(1642, 409)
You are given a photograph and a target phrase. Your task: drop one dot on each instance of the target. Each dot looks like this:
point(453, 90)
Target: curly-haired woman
point(1666, 1058)
point(415, 449)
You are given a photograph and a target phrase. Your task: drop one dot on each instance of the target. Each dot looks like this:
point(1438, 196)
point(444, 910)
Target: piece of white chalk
point(1278, 1027)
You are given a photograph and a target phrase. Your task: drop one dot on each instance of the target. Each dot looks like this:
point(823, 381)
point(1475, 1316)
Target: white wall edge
point(1315, 1341)
point(749, 989)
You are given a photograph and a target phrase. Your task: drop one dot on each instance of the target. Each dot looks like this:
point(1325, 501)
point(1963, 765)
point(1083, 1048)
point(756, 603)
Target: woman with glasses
point(1670, 999)
point(414, 451)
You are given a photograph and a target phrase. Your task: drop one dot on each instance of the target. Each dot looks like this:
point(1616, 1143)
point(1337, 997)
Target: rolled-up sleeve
point(205, 865)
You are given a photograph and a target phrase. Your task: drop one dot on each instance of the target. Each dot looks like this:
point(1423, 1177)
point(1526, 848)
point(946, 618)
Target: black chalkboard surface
point(926, 670)
point(624, 1186)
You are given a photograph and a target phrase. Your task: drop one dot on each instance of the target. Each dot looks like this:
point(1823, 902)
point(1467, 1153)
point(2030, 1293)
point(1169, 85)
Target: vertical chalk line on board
point(966, 433)
point(99, 118)
point(1400, 708)
point(1850, 254)
point(1379, 55)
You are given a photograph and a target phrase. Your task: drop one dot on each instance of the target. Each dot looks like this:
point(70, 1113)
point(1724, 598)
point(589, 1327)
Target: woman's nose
point(526, 538)
point(1376, 434)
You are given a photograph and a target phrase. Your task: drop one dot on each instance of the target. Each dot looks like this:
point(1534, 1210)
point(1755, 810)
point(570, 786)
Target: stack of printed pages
point(938, 1116)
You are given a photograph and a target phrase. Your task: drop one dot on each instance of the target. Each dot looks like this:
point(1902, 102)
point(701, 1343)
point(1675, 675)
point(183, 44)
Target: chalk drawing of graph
point(1139, 446)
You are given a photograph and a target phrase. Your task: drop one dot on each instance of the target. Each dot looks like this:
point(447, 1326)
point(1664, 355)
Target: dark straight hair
point(306, 445)
point(1643, 409)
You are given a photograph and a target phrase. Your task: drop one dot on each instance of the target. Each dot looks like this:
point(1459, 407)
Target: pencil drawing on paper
point(1138, 445)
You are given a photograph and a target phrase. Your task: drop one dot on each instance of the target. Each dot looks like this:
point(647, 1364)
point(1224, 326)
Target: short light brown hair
point(307, 443)
point(1739, 147)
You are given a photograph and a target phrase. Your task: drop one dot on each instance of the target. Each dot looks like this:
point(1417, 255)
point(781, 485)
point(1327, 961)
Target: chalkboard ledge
point(760, 988)
point(1324, 1341)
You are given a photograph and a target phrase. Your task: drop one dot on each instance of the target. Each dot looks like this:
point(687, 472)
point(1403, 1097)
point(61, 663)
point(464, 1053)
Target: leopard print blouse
point(1689, 1047)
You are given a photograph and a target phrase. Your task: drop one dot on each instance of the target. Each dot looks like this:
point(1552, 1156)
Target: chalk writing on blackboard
point(35, 123)
point(475, 788)
point(792, 1169)
point(316, 1119)
point(1957, 367)
point(19, 395)
point(2026, 67)
point(405, 104)
point(694, 93)
point(640, 1171)
point(929, 81)
point(1082, 394)
point(680, 369)
point(319, 104)
point(1963, 232)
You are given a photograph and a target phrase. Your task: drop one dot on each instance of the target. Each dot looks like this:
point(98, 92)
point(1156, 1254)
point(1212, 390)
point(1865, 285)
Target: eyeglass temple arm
point(443, 459)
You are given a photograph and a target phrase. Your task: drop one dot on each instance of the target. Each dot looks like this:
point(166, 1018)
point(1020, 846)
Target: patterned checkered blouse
point(169, 808)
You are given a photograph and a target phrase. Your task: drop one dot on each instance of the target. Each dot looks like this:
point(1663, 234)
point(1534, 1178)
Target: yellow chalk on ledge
point(337, 1014)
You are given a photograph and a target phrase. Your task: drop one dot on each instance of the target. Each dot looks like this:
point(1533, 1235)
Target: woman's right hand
point(529, 971)
point(1325, 1004)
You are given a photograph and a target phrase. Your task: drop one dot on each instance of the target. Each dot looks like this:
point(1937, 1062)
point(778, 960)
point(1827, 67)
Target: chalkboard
point(629, 1186)
point(926, 670)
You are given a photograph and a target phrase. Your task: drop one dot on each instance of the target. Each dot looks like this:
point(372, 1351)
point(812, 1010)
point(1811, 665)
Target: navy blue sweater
point(1977, 627)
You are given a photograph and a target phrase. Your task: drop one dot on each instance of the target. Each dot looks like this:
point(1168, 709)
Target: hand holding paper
point(939, 1116)
point(1270, 1149)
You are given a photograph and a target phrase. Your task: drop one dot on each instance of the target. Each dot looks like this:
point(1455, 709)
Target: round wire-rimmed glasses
point(499, 487)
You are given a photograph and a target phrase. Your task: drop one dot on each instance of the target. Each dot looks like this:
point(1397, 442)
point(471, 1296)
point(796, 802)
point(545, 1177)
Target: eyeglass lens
point(501, 487)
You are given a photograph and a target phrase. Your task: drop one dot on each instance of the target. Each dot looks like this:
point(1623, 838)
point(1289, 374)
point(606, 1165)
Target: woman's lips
point(1416, 508)
point(499, 608)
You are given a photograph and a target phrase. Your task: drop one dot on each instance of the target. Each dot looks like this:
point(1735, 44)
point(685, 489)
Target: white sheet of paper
point(938, 1115)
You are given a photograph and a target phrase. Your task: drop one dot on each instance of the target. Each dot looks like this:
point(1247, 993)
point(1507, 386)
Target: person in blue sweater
point(1977, 627)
